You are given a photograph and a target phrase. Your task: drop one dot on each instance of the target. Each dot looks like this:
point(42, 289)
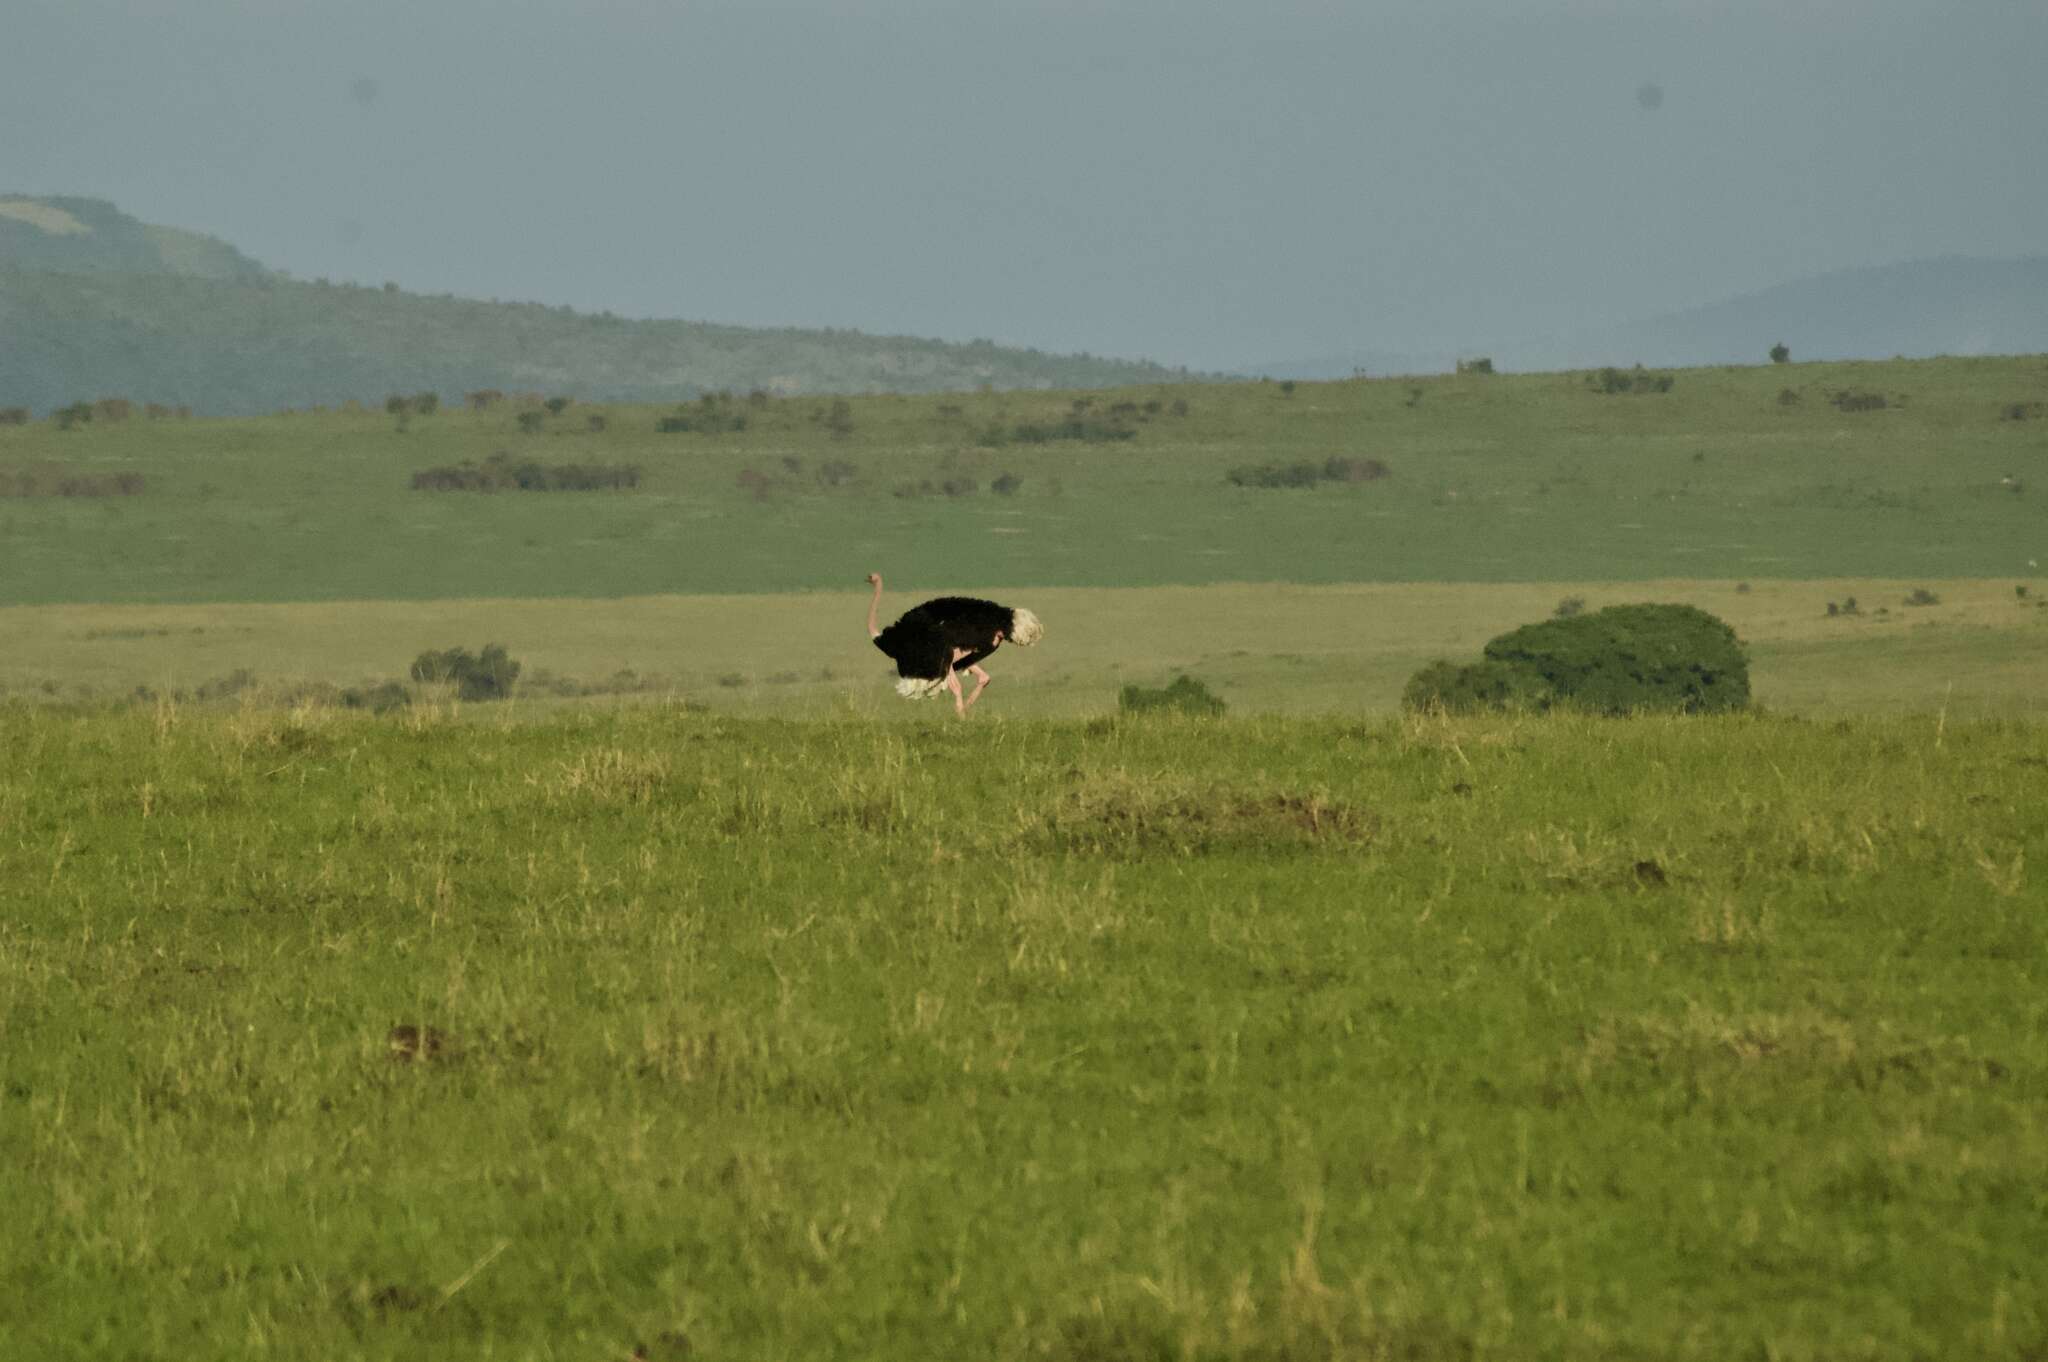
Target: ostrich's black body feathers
point(922, 641)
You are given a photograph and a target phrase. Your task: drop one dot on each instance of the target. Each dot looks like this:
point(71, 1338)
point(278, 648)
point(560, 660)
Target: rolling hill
point(94, 303)
point(1917, 309)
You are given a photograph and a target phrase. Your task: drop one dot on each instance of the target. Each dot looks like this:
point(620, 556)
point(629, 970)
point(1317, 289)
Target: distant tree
point(426, 404)
point(483, 398)
point(13, 416)
point(1781, 353)
point(530, 422)
point(557, 405)
point(1481, 365)
point(840, 419)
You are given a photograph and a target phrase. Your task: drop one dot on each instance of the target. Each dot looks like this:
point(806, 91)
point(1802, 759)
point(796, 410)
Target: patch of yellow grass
point(1264, 648)
point(55, 221)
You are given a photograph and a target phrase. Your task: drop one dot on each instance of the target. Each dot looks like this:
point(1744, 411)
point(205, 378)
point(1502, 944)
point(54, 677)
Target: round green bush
point(1621, 660)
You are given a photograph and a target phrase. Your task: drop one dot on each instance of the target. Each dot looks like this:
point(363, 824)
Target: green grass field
point(742, 1010)
point(1529, 478)
point(1029, 1039)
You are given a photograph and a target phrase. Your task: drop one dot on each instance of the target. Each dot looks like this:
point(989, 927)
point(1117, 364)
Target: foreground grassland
point(1075, 1040)
point(1734, 474)
point(1980, 650)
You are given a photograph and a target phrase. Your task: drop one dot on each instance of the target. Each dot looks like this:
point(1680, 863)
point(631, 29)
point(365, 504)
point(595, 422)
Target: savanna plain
point(695, 1002)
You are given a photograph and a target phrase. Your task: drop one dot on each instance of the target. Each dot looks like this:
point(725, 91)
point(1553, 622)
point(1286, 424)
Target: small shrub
point(530, 422)
point(1833, 610)
point(839, 419)
point(1287, 387)
point(2020, 591)
point(1006, 485)
point(1637, 380)
point(1481, 365)
point(13, 416)
point(595, 423)
point(113, 409)
point(557, 405)
point(1849, 607)
point(1569, 607)
point(1414, 398)
point(1781, 353)
point(77, 414)
point(1185, 695)
point(2020, 411)
point(959, 487)
point(836, 472)
point(711, 414)
point(1851, 400)
point(1920, 595)
point(1788, 397)
point(1742, 588)
point(1179, 407)
point(378, 699)
point(484, 398)
point(488, 675)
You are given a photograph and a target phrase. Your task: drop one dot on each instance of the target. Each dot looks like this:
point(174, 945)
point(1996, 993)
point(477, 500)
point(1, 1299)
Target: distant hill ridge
point(95, 303)
point(1916, 309)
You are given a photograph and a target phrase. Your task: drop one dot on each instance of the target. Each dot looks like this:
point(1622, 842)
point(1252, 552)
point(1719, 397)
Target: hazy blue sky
point(1215, 185)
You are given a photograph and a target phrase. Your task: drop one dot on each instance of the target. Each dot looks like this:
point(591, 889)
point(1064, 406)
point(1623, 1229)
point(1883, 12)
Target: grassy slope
point(255, 346)
point(1254, 1039)
point(1511, 478)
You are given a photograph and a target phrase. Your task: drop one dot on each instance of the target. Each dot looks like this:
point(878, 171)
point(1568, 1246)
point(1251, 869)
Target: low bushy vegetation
point(1088, 429)
point(711, 414)
point(1625, 659)
point(1306, 474)
point(1637, 380)
point(53, 480)
point(1183, 695)
point(1856, 399)
point(488, 675)
point(502, 472)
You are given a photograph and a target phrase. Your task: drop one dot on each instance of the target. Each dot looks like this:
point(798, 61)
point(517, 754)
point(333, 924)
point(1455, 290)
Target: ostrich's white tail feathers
point(1025, 629)
point(918, 687)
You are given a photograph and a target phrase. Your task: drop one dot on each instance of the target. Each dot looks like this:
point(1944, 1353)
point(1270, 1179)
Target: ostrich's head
point(918, 687)
point(1025, 629)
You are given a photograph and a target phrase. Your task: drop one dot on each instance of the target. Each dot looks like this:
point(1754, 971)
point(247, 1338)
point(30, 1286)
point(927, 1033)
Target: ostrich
point(932, 642)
